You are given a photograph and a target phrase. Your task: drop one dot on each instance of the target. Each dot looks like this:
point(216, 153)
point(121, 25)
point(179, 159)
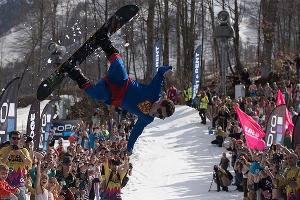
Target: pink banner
point(252, 130)
point(288, 121)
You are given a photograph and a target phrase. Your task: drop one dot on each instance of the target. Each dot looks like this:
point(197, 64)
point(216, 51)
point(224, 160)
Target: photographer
point(243, 166)
point(17, 159)
point(221, 178)
point(240, 150)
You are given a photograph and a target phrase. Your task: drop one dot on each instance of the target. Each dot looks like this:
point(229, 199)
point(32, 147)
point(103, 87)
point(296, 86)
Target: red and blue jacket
point(119, 90)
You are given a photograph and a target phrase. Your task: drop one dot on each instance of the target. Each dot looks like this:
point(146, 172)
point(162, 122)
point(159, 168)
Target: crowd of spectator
point(92, 163)
point(269, 174)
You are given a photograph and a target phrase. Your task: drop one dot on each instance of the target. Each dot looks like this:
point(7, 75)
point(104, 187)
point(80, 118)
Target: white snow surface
point(172, 159)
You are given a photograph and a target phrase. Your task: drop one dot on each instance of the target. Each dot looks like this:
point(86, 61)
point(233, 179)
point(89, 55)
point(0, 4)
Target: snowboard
point(112, 25)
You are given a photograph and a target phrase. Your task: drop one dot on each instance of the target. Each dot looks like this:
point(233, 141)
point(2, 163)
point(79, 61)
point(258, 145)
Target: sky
point(172, 159)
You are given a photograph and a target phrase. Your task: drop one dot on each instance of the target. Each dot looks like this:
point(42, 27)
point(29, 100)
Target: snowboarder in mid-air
point(117, 89)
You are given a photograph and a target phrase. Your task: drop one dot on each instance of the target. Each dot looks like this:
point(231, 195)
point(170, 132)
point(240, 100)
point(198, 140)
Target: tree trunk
point(53, 21)
point(203, 14)
point(166, 34)
point(258, 37)
point(290, 15)
point(150, 34)
point(269, 11)
point(85, 32)
point(41, 33)
point(236, 39)
point(96, 24)
point(105, 18)
point(178, 46)
point(216, 51)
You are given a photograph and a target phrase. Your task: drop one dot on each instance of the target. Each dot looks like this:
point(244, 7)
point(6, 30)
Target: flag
point(9, 104)
point(196, 72)
point(251, 129)
point(289, 123)
point(156, 54)
point(296, 136)
point(275, 128)
point(34, 125)
point(46, 120)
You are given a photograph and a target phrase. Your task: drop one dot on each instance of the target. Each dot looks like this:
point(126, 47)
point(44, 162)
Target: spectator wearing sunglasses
point(17, 159)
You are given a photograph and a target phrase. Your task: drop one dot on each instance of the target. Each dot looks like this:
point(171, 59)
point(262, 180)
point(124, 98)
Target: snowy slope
point(173, 159)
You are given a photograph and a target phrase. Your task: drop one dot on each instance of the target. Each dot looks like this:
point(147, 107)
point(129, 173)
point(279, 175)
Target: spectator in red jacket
point(172, 94)
point(5, 189)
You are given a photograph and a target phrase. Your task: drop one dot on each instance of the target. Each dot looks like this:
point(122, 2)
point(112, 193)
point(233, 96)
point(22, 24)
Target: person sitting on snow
point(220, 136)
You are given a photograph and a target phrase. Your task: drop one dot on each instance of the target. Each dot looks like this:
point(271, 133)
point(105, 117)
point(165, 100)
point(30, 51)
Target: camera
point(216, 168)
point(277, 157)
point(15, 147)
point(54, 48)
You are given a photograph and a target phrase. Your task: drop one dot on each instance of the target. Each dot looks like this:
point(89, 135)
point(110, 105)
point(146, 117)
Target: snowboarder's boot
point(106, 45)
point(76, 74)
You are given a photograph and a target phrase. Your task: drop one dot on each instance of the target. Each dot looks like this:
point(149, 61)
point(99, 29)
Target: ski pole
point(211, 184)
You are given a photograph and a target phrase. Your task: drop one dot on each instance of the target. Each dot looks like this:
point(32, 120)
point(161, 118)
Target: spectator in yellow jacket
point(203, 106)
point(292, 178)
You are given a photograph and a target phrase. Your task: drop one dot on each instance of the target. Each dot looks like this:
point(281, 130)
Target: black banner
point(8, 112)
point(46, 120)
point(64, 128)
point(34, 124)
point(296, 133)
point(275, 130)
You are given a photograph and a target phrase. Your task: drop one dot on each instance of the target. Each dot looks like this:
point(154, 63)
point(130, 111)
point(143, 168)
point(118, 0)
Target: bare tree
point(236, 39)
point(269, 13)
point(215, 46)
point(54, 4)
point(150, 34)
point(166, 33)
point(178, 39)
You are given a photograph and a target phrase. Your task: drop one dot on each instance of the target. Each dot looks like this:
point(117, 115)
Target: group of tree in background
point(182, 25)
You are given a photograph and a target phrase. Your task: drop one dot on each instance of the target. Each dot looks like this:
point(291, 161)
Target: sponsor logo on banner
point(32, 125)
point(197, 76)
point(8, 114)
point(276, 126)
point(276, 130)
point(64, 128)
point(157, 57)
point(196, 72)
point(156, 54)
point(251, 133)
point(4, 112)
point(46, 119)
